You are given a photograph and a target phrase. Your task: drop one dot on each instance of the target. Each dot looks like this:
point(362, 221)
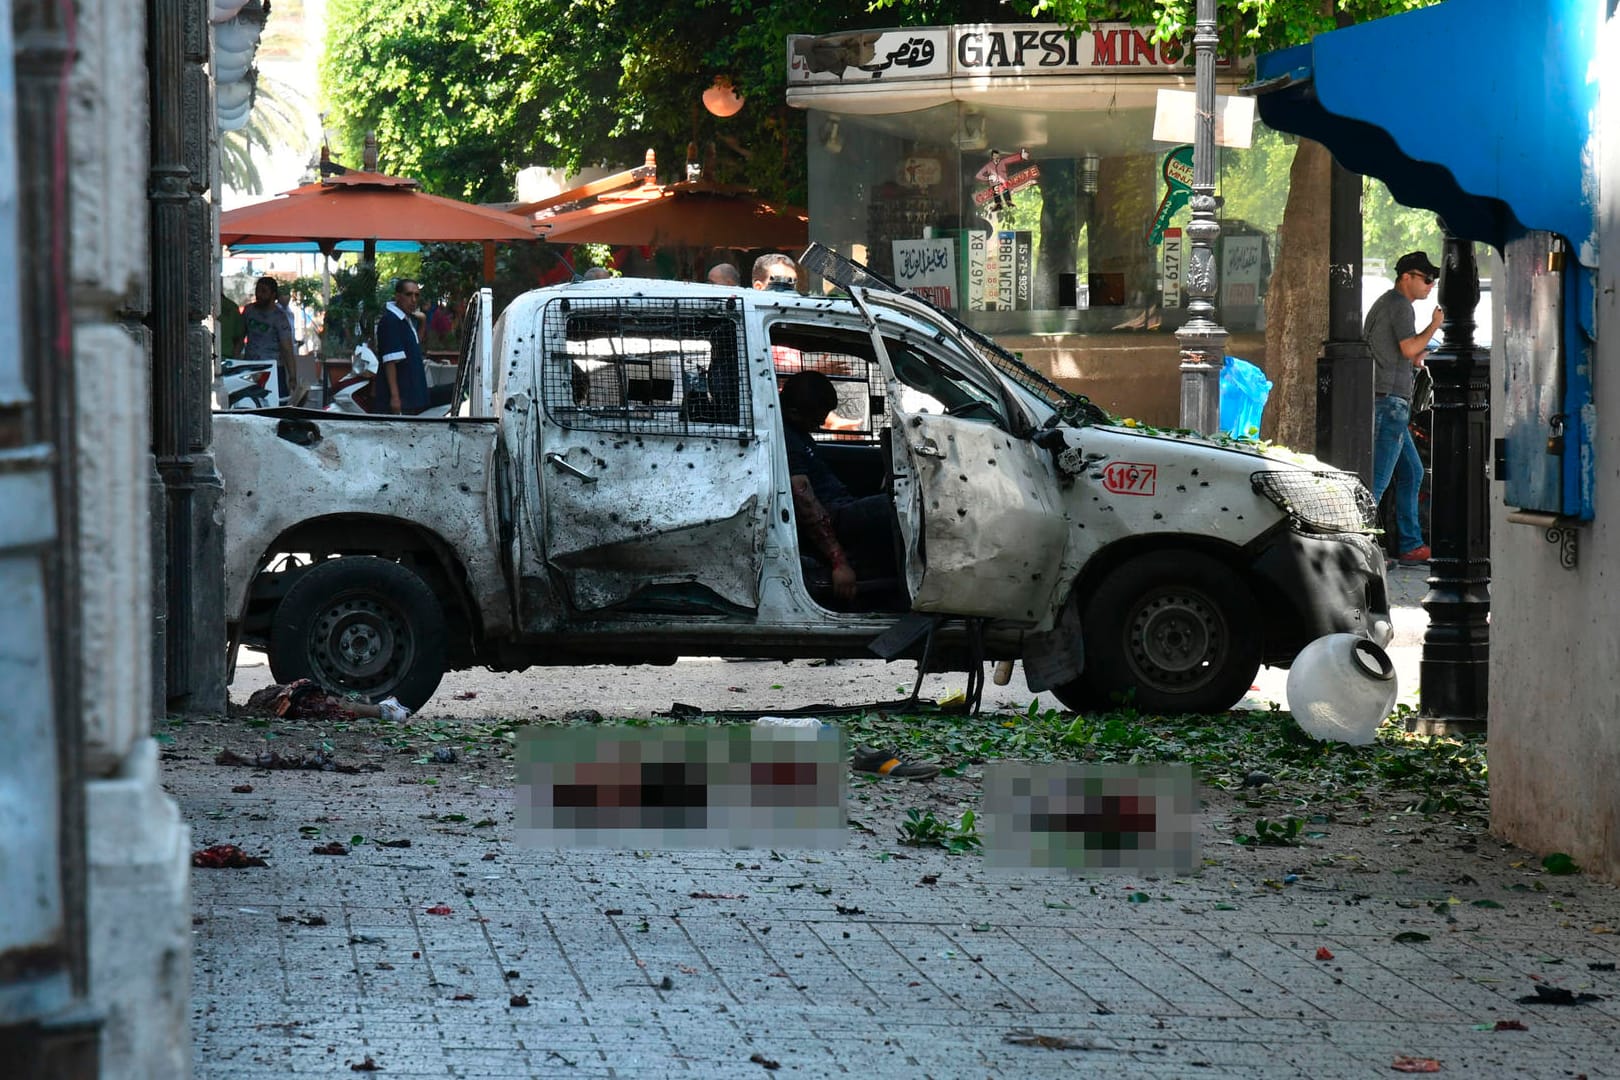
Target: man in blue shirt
point(403, 381)
point(1398, 349)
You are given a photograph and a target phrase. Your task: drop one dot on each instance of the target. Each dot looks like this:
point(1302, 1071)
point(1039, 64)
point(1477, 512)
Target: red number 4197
point(1130, 478)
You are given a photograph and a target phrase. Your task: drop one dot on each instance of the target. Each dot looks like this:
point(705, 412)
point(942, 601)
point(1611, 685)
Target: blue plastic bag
point(1244, 389)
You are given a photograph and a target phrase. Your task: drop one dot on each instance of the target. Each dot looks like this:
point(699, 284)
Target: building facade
point(1033, 180)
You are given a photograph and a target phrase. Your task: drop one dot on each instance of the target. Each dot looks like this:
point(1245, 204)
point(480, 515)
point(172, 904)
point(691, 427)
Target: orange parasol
point(693, 213)
point(367, 206)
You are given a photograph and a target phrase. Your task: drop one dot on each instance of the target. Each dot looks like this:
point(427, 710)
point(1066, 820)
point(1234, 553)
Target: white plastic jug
point(1342, 687)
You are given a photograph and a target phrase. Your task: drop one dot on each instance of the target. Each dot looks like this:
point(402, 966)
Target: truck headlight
point(1319, 502)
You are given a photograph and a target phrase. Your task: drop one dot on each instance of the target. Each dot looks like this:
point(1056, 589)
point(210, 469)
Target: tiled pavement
point(626, 974)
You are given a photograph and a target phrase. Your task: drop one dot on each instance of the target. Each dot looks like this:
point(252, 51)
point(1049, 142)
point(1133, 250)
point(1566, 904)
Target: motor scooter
point(248, 384)
point(352, 393)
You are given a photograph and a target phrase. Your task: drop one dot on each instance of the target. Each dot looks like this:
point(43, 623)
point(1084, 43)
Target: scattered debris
point(666, 983)
point(716, 896)
point(444, 755)
point(392, 843)
point(1411, 937)
point(842, 910)
point(364, 939)
point(333, 848)
point(1323, 953)
point(1557, 995)
point(1415, 1065)
point(1600, 965)
point(1045, 1042)
point(613, 911)
point(317, 760)
point(438, 909)
point(242, 789)
point(1509, 1025)
point(761, 1059)
point(518, 1001)
point(1257, 779)
point(303, 920)
point(464, 997)
point(368, 1065)
point(225, 857)
point(465, 695)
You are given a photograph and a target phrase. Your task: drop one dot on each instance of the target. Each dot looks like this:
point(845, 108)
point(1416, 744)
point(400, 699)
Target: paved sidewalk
point(872, 961)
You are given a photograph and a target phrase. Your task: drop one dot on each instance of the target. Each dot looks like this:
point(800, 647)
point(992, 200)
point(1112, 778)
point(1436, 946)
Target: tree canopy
point(462, 95)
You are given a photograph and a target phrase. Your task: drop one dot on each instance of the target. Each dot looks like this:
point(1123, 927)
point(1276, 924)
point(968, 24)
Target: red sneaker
point(1416, 555)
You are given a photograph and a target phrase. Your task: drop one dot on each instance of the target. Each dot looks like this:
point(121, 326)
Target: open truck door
point(982, 525)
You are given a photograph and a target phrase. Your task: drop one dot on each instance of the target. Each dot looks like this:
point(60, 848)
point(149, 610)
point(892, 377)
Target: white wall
point(1555, 633)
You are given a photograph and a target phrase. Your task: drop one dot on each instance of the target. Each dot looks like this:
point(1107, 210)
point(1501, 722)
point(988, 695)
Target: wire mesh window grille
point(845, 358)
point(1319, 502)
point(646, 365)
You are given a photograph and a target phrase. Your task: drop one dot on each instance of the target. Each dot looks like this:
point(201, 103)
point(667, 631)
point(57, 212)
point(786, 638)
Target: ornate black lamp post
point(1202, 340)
point(1456, 647)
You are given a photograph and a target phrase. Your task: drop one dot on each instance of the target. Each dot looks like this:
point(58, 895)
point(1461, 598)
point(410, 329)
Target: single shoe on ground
point(870, 760)
point(393, 710)
point(1417, 555)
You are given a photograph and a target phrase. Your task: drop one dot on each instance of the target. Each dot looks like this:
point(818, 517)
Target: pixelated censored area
point(711, 787)
point(1072, 818)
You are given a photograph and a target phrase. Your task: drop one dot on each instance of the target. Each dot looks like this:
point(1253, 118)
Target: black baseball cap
point(1416, 260)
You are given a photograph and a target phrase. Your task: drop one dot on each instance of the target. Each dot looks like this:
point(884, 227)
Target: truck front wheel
point(1173, 630)
point(364, 625)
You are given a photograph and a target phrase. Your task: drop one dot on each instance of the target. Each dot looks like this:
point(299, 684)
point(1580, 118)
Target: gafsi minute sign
point(986, 49)
point(992, 49)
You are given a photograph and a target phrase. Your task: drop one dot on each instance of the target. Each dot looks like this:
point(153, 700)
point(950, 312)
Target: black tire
point(361, 624)
point(1174, 630)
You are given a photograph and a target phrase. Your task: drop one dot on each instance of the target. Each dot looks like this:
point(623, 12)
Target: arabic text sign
point(927, 267)
point(866, 55)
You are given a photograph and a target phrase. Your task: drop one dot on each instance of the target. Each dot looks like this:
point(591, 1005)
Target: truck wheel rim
point(361, 642)
point(1177, 640)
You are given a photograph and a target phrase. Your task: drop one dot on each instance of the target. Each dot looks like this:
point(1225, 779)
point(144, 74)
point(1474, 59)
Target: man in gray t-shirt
point(1398, 348)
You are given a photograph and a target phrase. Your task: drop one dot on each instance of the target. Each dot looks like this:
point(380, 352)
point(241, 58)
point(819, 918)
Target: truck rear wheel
point(364, 625)
point(1174, 630)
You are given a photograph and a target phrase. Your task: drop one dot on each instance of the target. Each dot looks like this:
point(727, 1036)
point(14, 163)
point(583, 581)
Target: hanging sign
point(1178, 177)
point(997, 173)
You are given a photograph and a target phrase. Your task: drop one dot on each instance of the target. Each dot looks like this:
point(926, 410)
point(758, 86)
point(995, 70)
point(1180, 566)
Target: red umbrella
point(367, 206)
point(688, 214)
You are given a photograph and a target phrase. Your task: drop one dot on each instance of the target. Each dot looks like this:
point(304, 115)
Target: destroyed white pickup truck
point(628, 501)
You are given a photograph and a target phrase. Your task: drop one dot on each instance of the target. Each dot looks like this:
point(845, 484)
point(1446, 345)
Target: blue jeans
point(1395, 455)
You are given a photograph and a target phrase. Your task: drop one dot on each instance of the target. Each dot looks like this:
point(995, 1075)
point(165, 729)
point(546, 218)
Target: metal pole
point(1344, 371)
point(1457, 644)
point(1201, 338)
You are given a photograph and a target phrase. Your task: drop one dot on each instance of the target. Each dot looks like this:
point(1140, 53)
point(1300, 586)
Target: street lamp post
point(1202, 340)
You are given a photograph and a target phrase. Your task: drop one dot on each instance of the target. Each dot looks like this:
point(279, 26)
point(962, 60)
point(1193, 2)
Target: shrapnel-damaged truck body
point(627, 500)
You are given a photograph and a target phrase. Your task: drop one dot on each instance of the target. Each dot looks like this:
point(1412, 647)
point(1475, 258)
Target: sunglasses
point(1428, 279)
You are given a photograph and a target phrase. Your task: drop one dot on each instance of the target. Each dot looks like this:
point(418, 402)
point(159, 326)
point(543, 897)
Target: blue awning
point(1480, 110)
point(309, 247)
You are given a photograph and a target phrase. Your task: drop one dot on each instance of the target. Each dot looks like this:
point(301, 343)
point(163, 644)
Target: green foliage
point(306, 293)
point(1268, 833)
point(1256, 25)
point(462, 96)
point(922, 829)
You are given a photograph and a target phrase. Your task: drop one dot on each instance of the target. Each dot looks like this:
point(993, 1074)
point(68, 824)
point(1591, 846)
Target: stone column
point(184, 241)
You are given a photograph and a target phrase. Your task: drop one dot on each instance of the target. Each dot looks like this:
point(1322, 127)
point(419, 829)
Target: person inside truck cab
point(851, 534)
